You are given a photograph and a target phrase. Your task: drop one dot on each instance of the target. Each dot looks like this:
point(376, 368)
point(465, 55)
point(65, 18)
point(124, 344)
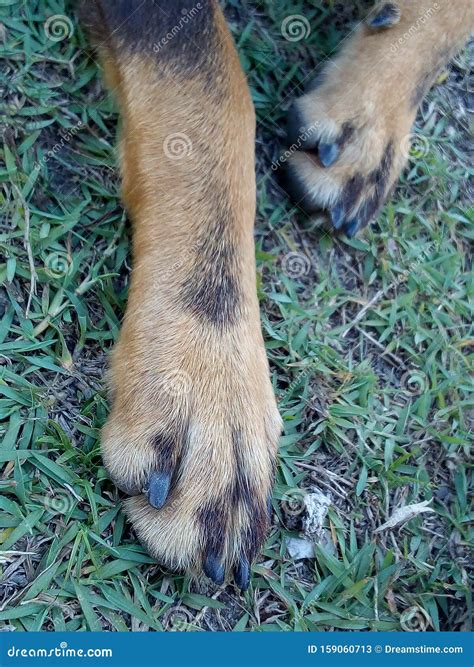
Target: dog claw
point(328, 154)
point(337, 216)
point(352, 228)
point(214, 569)
point(158, 489)
point(389, 14)
point(242, 574)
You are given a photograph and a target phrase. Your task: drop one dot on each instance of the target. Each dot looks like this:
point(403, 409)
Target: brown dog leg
point(194, 425)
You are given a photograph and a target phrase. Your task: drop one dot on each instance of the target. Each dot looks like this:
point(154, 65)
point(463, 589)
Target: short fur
point(375, 85)
point(194, 424)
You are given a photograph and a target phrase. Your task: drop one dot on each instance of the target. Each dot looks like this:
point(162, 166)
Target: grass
point(370, 345)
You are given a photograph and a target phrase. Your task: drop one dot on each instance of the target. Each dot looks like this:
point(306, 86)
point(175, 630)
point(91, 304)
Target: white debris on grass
point(403, 514)
point(316, 505)
point(300, 547)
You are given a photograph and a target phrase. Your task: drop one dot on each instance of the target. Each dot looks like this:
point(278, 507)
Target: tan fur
point(173, 372)
point(372, 84)
point(168, 366)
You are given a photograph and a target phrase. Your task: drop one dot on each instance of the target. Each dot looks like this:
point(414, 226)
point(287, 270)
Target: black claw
point(158, 489)
point(328, 154)
point(389, 14)
point(214, 569)
point(242, 574)
point(352, 227)
point(337, 216)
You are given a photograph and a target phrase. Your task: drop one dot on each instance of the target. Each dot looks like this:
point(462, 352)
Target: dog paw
point(192, 436)
point(349, 135)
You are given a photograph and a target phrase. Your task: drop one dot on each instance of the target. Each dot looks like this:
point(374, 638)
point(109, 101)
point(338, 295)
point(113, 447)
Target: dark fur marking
point(298, 135)
point(212, 291)
point(346, 133)
point(165, 446)
point(351, 192)
point(213, 521)
point(379, 177)
point(257, 510)
point(254, 534)
point(181, 31)
point(346, 202)
point(170, 449)
point(242, 490)
point(368, 210)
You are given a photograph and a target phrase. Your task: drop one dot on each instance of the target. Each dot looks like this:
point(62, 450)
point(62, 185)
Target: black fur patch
point(170, 448)
point(257, 511)
point(176, 30)
point(212, 291)
point(351, 192)
point(256, 531)
point(299, 136)
point(346, 133)
point(368, 210)
point(213, 521)
point(165, 446)
point(379, 177)
point(242, 491)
